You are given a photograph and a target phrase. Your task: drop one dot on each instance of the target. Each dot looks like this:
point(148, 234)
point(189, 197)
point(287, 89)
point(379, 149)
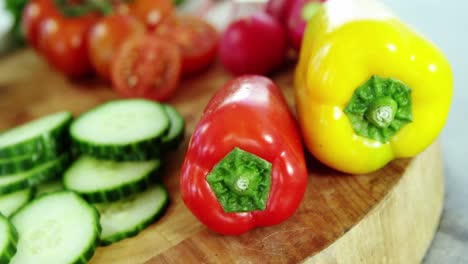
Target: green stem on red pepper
point(241, 181)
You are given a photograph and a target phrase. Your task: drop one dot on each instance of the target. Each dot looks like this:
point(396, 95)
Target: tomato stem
point(241, 181)
point(101, 5)
point(89, 6)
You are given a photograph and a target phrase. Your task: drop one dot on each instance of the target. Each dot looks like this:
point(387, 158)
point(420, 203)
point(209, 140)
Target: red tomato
point(63, 41)
point(197, 39)
point(253, 45)
point(146, 66)
point(150, 12)
point(105, 38)
point(33, 14)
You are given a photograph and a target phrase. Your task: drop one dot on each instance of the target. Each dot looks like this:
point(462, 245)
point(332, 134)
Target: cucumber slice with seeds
point(46, 134)
point(8, 240)
point(18, 181)
point(10, 203)
point(56, 228)
point(121, 130)
point(175, 134)
point(106, 181)
point(128, 217)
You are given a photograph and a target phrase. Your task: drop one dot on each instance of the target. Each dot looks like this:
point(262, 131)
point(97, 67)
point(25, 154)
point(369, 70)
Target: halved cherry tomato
point(197, 39)
point(146, 66)
point(149, 12)
point(105, 38)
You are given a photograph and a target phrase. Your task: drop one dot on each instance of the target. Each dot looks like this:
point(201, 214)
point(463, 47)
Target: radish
point(253, 45)
point(279, 9)
point(300, 12)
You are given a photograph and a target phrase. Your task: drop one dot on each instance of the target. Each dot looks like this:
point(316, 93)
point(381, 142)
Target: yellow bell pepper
point(368, 88)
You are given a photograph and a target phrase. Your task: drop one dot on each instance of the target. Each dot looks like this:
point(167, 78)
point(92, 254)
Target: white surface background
point(445, 22)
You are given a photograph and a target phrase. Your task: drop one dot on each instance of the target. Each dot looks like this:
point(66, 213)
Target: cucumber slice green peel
point(8, 240)
point(121, 130)
point(23, 162)
point(49, 187)
point(137, 154)
point(175, 135)
point(107, 181)
point(18, 181)
point(48, 134)
point(10, 203)
point(60, 227)
point(128, 217)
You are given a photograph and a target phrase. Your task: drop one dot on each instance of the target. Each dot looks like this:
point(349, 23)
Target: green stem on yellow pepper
point(379, 108)
point(381, 112)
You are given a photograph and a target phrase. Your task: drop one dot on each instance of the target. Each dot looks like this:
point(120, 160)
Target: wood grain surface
point(385, 217)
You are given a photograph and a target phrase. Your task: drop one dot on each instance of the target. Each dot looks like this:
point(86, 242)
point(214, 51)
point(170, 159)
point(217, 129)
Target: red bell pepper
point(244, 166)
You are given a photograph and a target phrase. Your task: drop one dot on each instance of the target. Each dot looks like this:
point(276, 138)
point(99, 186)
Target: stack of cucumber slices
point(110, 158)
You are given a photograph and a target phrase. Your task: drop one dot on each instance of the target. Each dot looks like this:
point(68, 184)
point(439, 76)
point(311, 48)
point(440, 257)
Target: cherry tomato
point(105, 38)
point(196, 38)
point(63, 41)
point(33, 14)
point(149, 12)
point(147, 66)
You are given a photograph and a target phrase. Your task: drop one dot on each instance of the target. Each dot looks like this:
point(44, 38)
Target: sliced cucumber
point(49, 187)
point(46, 134)
point(175, 134)
point(11, 202)
point(23, 163)
point(18, 181)
point(56, 228)
point(127, 217)
point(106, 181)
point(8, 240)
point(132, 155)
point(121, 130)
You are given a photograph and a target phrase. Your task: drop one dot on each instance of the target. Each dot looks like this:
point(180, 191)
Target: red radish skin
point(253, 45)
point(295, 23)
point(279, 9)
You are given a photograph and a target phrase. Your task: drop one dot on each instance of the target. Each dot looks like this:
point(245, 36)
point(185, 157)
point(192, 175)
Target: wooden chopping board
point(385, 217)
